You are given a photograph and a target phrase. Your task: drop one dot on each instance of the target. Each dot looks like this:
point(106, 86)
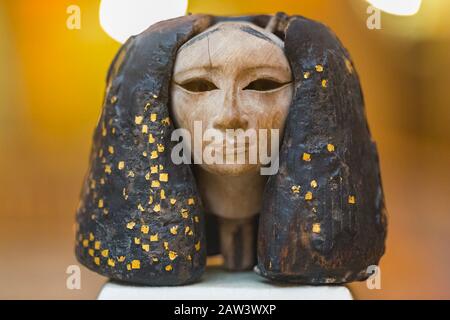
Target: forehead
point(232, 45)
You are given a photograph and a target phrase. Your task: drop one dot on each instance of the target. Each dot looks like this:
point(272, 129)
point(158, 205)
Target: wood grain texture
point(323, 218)
point(140, 219)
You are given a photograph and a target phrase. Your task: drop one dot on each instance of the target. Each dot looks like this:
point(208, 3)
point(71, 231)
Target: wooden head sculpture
point(320, 219)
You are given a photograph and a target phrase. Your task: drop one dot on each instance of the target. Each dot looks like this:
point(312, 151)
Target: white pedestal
point(217, 284)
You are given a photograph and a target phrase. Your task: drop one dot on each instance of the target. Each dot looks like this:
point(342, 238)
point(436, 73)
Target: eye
point(264, 85)
point(199, 85)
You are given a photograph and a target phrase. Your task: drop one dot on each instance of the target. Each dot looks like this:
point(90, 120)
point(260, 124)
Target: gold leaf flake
point(306, 157)
point(160, 147)
point(306, 75)
point(146, 247)
point(105, 253)
point(184, 213)
point(157, 208)
point(295, 189)
point(154, 237)
point(163, 177)
point(153, 117)
point(155, 184)
point(154, 154)
point(191, 201)
point(97, 245)
point(97, 261)
point(100, 203)
point(330, 147)
point(319, 68)
point(137, 240)
point(197, 246)
point(162, 194)
point(144, 128)
point(130, 225)
point(111, 262)
point(111, 149)
point(308, 196)
point(168, 268)
point(138, 119)
point(173, 201)
point(145, 229)
point(316, 228)
point(154, 169)
point(141, 208)
point(172, 255)
point(121, 165)
point(121, 259)
point(151, 139)
point(324, 83)
point(135, 264)
point(166, 245)
point(108, 169)
point(314, 184)
point(165, 121)
point(174, 230)
point(351, 199)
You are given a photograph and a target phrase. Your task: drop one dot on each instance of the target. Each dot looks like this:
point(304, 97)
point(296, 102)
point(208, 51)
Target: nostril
point(231, 123)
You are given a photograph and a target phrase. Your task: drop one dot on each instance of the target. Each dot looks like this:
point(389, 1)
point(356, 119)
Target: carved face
point(232, 76)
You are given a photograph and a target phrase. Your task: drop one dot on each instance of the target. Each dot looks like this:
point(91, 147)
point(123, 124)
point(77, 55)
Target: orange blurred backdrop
point(51, 88)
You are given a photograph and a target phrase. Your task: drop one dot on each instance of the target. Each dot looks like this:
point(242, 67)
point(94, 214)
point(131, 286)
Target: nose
point(230, 116)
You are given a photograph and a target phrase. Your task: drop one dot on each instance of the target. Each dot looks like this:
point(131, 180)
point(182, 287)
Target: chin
point(231, 169)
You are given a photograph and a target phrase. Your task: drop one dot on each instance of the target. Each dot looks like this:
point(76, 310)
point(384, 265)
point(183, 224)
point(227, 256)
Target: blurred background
point(52, 82)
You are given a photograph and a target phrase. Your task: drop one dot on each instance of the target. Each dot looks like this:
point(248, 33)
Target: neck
point(233, 197)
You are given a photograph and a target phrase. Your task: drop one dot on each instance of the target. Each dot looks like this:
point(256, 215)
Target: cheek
point(188, 108)
point(269, 110)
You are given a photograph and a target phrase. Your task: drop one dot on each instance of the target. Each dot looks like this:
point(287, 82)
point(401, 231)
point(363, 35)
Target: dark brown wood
point(323, 219)
point(140, 218)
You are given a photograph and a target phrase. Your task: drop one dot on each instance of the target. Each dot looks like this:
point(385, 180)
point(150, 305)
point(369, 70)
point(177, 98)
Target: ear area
point(140, 217)
point(323, 218)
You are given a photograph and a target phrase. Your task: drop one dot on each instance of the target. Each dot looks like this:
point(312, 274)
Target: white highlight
point(124, 18)
point(397, 7)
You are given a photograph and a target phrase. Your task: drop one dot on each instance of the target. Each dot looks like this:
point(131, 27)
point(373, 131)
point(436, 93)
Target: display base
point(218, 284)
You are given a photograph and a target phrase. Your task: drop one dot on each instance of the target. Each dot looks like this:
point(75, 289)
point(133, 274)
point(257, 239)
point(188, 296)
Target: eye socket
point(264, 85)
point(199, 85)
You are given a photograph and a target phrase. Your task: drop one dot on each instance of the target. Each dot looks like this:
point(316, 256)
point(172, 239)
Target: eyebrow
point(256, 33)
point(198, 38)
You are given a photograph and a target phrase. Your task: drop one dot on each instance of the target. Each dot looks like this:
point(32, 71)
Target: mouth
point(227, 148)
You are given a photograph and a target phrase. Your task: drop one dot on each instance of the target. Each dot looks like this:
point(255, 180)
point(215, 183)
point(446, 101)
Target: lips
point(228, 148)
